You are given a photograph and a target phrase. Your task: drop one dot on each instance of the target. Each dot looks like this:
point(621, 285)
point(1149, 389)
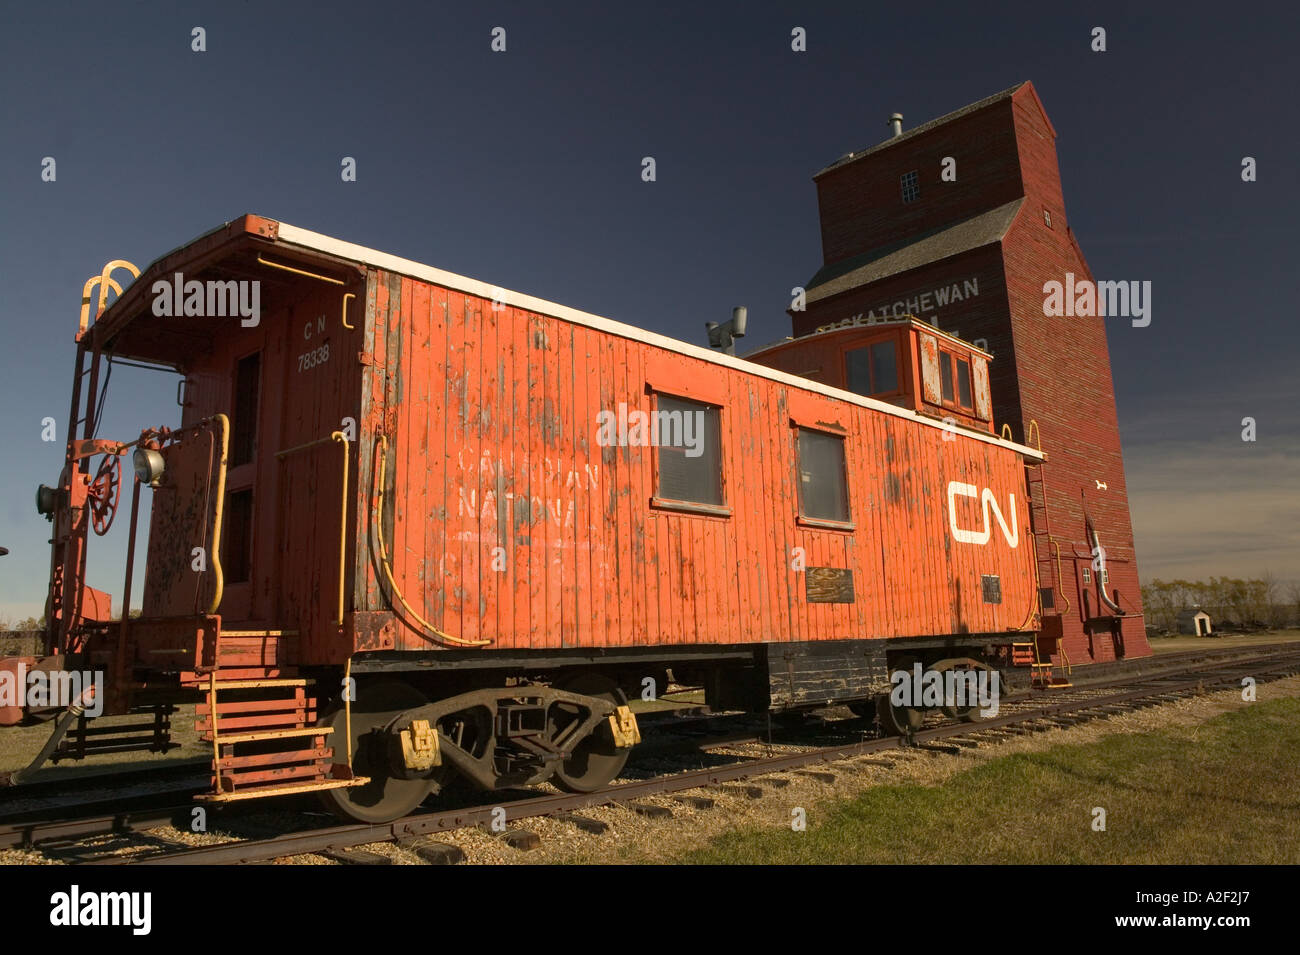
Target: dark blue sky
point(523, 169)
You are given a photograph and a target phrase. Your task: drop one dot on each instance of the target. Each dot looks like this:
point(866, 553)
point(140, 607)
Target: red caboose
point(412, 526)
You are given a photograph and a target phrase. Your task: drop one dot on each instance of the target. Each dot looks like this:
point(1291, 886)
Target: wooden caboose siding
point(491, 418)
point(293, 581)
point(290, 235)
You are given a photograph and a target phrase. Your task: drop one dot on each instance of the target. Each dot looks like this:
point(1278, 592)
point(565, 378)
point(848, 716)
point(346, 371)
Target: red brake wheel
point(102, 493)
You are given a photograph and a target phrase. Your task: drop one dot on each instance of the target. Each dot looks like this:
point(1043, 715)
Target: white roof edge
point(348, 250)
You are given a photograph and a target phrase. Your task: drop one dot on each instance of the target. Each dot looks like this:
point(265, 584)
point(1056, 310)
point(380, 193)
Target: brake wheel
point(103, 492)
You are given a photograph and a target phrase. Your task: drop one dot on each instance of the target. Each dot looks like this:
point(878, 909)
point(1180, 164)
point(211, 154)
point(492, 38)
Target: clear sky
point(522, 168)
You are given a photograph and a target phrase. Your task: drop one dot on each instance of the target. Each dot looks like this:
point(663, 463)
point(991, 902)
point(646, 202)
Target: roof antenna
point(724, 335)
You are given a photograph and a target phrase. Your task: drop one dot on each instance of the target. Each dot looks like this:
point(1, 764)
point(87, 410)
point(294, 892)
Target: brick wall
point(1055, 371)
point(861, 202)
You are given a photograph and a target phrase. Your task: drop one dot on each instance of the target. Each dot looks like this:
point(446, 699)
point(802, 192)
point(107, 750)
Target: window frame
point(821, 523)
point(899, 386)
point(914, 184)
point(950, 360)
point(698, 508)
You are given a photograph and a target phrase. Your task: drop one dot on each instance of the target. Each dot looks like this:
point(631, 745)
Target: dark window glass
point(243, 431)
point(873, 369)
point(858, 364)
point(237, 544)
point(884, 368)
point(910, 186)
point(992, 586)
point(823, 488)
point(945, 375)
point(690, 451)
point(963, 384)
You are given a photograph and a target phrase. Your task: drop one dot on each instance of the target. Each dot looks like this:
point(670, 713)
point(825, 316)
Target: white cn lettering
point(1012, 534)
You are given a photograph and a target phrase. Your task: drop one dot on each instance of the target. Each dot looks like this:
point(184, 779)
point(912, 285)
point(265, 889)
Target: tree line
point(1262, 601)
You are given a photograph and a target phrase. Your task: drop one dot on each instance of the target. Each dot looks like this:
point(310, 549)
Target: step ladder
point(265, 741)
point(1046, 674)
point(1046, 644)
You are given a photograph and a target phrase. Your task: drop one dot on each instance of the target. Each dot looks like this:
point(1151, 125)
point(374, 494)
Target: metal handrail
point(387, 564)
point(216, 518)
point(310, 275)
point(340, 437)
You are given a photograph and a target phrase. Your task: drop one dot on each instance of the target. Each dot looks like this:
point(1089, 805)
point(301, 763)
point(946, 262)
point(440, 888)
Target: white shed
point(1195, 622)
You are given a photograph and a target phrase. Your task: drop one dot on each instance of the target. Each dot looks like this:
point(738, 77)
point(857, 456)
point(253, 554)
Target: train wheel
point(386, 797)
point(967, 714)
point(596, 761)
point(898, 720)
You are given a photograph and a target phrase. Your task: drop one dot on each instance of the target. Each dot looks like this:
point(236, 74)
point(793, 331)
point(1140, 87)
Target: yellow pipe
point(347, 707)
point(290, 268)
point(388, 567)
point(1059, 575)
point(346, 296)
point(343, 522)
point(212, 717)
point(216, 518)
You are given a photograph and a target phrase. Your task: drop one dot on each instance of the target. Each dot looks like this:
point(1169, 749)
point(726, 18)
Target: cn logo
point(980, 537)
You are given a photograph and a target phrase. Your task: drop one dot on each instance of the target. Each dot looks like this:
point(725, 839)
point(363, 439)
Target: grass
point(1226, 791)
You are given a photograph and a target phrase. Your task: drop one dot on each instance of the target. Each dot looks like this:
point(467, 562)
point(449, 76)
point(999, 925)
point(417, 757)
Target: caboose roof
point(130, 329)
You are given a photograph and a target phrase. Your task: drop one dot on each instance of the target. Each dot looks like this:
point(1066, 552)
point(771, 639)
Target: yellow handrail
point(212, 715)
point(1032, 433)
point(347, 706)
point(1060, 574)
point(105, 282)
point(343, 506)
point(310, 275)
point(216, 518)
point(346, 296)
point(388, 567)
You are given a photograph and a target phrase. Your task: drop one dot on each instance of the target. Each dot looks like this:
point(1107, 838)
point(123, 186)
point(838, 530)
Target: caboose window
point(963, 383)
point(243, 431)
point(237, 547)
point(823, 485)
point(955, 381)
point(873, 369)
point(690, 451)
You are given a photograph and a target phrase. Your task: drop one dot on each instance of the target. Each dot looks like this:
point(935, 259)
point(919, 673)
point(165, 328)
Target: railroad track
point(121, 794)
point(1026, 715)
